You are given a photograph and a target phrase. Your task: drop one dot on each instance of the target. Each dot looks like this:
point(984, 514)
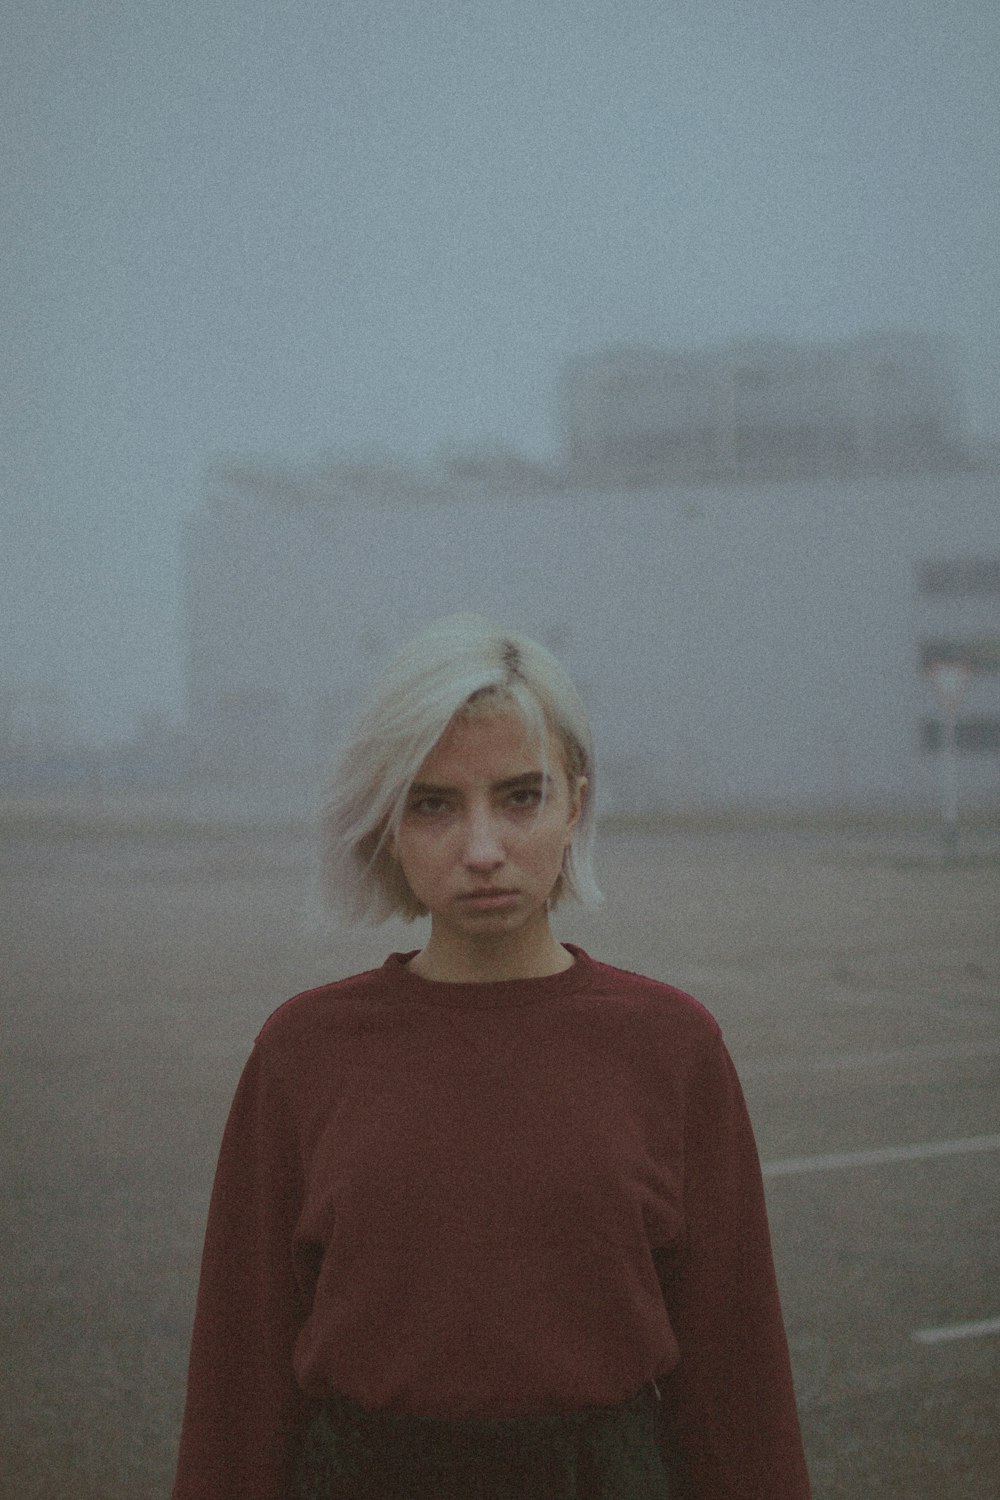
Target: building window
point(980, 653)
point(966, 575)
point(972, 736)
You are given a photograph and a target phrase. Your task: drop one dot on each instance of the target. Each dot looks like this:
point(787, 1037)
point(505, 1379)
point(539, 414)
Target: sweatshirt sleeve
point(729, 1404)
point(244, 1413)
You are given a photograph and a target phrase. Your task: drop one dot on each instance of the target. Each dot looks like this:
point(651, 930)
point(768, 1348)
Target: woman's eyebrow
point(509, 783)
point(527, 778)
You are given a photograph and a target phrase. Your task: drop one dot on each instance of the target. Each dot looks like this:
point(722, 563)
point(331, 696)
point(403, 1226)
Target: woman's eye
point(428, 807)
point(529, 796)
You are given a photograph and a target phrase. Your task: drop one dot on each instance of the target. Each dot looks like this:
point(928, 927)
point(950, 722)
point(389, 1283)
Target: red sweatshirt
point(495, 1199)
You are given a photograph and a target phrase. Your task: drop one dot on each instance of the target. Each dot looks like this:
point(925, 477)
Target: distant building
point(878, 404)
point(747, 561)
point(38, 749)
point(739, 646)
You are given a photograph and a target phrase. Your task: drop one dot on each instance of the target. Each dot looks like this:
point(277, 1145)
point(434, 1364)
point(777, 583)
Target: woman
point(488, 1220)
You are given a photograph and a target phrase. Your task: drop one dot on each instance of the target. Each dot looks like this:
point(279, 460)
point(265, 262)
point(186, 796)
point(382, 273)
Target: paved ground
point(858, 981)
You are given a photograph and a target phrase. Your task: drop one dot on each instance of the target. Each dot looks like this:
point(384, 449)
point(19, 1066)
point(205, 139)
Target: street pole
point(948, 680)
point(949, 779)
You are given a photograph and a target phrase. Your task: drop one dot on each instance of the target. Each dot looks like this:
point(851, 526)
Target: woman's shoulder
point(318, 1009)
point(660, 1001)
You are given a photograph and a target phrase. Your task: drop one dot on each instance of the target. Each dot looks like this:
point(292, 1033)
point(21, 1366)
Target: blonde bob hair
point(461, 664)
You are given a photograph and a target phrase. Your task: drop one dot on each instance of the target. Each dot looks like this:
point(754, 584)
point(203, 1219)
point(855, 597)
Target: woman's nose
point(483, 848)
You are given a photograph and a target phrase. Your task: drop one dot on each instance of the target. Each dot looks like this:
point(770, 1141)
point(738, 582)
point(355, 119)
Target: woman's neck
point(455, 962)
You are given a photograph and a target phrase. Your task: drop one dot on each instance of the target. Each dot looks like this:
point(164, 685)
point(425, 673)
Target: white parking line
point(957, 1331)
point(881, 1155)
point(887, 1057)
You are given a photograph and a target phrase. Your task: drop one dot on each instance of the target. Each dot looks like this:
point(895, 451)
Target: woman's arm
point(729, 1406)
point(244, 1414)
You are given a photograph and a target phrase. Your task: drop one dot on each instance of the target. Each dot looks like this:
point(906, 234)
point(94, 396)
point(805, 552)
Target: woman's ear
point(387, 838)
point(578, 800)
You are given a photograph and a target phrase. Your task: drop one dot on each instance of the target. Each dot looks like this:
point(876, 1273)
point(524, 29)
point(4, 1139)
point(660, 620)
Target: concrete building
point(883, 403)
point(738, 646)
point(742, 640)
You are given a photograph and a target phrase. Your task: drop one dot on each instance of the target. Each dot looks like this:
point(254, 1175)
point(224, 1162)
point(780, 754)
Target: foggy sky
point(333, 225)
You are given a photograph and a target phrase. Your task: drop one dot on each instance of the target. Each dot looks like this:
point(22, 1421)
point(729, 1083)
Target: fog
point(259, 240)
point(356, 229)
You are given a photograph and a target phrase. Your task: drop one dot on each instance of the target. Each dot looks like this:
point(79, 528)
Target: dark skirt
point(595, 1453)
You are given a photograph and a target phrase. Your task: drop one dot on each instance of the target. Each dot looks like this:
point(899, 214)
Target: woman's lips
point(487, 900)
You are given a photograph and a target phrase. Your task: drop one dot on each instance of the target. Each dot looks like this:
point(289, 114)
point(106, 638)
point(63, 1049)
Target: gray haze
point(233, 226)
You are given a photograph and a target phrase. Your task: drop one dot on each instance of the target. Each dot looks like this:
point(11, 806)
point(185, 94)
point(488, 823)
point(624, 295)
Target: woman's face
point(483, 834)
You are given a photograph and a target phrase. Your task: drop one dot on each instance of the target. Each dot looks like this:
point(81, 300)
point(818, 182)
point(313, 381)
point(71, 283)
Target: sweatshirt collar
point(486, 994)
